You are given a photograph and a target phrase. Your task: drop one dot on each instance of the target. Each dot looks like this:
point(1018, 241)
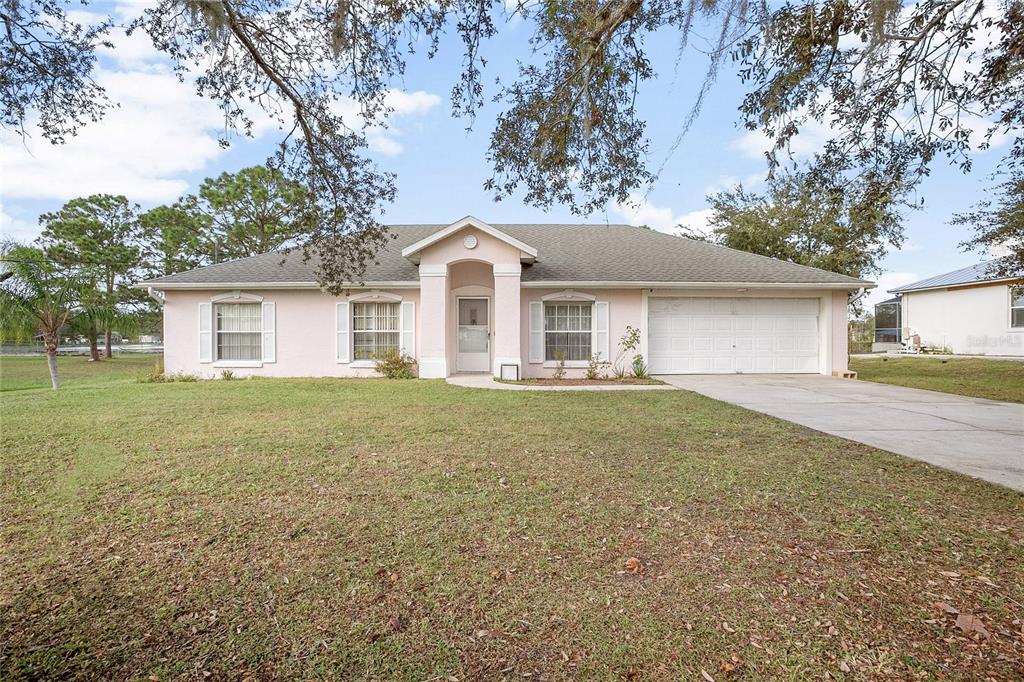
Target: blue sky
point(161, 142)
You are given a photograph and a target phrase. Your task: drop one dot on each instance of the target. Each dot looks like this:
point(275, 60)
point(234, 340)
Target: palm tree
point(36, 297)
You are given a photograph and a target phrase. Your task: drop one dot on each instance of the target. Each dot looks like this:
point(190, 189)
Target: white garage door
point(729, 335)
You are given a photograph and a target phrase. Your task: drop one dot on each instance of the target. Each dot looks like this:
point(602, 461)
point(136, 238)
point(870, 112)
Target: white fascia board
point(165, 286)
point(469, 221)
point(961, 285)
point(547, 284)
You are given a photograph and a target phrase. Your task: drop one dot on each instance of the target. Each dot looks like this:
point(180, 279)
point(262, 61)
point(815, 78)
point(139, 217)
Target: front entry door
point(474, 349)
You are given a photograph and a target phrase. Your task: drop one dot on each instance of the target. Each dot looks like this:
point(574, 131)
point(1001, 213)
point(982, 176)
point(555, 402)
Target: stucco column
point(433, 359)
point(506, 316)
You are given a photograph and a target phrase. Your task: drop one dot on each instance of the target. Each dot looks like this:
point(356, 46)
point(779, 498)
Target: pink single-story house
point(511, 300)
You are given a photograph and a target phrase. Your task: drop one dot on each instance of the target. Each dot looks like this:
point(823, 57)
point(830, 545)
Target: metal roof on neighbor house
point(565, 253)
point(979, 272)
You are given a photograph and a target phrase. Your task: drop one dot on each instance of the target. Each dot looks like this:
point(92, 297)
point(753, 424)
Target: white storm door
point(474, 337)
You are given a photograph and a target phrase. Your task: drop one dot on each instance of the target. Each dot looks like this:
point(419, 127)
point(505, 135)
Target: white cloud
point(728, 182)
point(887, 281)
point(17, 229)
point(159, 132)
point(383, 138)
point(811, 139)
point(697, 221)
point(640, 211)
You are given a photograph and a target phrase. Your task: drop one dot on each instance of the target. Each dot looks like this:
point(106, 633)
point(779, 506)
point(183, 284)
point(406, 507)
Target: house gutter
point(533, 284)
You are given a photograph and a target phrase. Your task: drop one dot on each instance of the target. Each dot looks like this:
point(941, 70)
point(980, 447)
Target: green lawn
point(21, 372)
point(993, 379)
point(373, 529)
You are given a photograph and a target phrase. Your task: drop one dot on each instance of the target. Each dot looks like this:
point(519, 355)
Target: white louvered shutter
point(205, 332)
point(600, 335)
point(269, 333)
point(409, 328)
point(341, 325)
point(536, 331)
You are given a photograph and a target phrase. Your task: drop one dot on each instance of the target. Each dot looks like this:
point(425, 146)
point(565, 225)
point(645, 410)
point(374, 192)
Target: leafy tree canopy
point(98, 234)
point(998, 223)
point(899, 86)
point(175, 238)
point(828, 223)
point(254, 211)
point(99, 237)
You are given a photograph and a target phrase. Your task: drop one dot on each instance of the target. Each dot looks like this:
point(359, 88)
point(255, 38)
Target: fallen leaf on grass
point(946, 608)
point(971, 624)
point(731, 665)
point(634, 566)
point(706, 676)
point(480, 634)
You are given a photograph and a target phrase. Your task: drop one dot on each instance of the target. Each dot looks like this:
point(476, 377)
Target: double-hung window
point(239, 329)
point(1017, 307)
point(568, 331)
point(376, 328)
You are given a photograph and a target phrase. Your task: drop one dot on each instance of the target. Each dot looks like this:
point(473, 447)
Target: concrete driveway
point(982, 438)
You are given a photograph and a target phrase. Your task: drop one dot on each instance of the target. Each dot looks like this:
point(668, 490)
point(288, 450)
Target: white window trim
point(559, 298)
point(237, 363)
point(568, 295)
point(375, 297)
point(236, 296)
point(1011, 308)
point(365, 298)
point(233, 297)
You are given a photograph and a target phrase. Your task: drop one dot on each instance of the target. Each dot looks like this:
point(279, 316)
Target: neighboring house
point(969, 311)
point(511, 299)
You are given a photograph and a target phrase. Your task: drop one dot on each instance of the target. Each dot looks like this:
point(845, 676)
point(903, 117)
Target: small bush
point(629, 342)
point(559, 366)
point(639, 367)
point(394, 365)
point(158, 376)
point(227, 375)
point(155, 375)
point(593, 367)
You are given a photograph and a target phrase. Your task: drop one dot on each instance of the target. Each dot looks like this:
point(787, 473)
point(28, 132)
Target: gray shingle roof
point(581, 253)
point(979, 272)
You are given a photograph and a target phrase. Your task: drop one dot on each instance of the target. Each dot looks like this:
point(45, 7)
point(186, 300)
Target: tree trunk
point(110, 301)
point(94, 348)
point(50, 343)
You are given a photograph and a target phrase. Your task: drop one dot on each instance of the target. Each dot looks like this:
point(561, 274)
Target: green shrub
point(227, 375)
point(629, 342)
point(594, 367)
point(394, 365)
point(639, 367)
point(158, 376)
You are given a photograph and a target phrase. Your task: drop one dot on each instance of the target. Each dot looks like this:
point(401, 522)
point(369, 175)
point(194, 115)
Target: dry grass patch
point(405, 530)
